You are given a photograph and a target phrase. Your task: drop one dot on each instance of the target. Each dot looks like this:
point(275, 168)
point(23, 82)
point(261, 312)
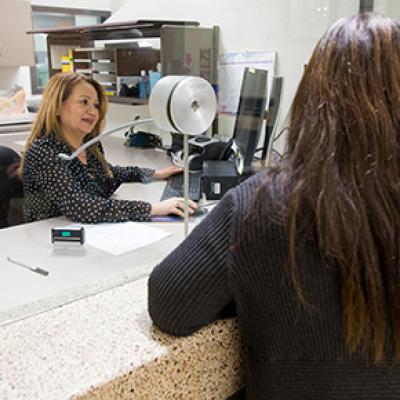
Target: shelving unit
point(182, 55)
point(98, 63)
point(106, 64)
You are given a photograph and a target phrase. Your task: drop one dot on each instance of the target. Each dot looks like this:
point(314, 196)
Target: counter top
point(16, 122)
point(100, 343)
point(105, 347)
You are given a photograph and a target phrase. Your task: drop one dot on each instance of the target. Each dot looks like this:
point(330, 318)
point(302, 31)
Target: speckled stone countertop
point(105, 347)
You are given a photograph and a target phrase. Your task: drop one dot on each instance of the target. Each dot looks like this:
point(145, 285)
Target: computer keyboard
point(174, 187)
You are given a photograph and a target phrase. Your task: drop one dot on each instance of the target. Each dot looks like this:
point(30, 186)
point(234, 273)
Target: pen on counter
point(33, 269)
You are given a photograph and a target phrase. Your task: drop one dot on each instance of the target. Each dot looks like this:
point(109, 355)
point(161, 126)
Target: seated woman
point(72, 111)
point(309, 252)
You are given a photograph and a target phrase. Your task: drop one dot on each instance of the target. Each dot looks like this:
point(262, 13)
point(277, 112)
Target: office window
point(52, 17)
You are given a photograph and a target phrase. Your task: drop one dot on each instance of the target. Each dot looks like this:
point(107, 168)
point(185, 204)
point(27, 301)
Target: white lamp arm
point(99, 137)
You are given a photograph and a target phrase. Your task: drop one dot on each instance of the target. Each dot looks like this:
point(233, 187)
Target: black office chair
point(11, 193)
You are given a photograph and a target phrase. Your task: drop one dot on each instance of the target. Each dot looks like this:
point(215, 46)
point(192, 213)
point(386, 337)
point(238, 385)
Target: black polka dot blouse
point(55, 187)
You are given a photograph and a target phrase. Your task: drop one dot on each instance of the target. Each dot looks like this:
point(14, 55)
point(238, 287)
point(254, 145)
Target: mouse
point(202, 139)
point(199, 212)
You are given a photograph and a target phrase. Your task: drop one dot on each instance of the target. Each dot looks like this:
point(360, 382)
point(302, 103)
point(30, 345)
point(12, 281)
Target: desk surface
point(103, 346)
point(77, 271)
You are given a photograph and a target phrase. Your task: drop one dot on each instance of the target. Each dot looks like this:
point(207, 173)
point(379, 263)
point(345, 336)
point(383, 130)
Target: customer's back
point(310, 250)
point(329, 213)
point(295, 350)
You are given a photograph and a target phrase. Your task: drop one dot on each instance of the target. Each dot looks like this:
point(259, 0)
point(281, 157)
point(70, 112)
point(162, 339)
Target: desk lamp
point(179, 104)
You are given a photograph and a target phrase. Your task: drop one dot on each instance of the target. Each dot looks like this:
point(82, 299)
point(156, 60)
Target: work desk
point(101, 344)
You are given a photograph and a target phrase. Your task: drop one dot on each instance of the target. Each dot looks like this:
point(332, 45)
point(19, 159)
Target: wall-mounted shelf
point(185, 49)
point(98, 63)
point(106, 64)
point(85, 36)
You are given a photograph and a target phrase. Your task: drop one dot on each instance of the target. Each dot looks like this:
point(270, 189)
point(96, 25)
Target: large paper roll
point(184, 104)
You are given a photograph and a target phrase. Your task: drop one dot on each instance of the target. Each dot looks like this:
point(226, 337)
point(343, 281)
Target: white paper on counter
point(119, 238)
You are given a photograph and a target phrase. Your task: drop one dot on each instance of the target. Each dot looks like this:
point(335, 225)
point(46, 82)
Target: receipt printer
point(70, 235)
point(220, 176)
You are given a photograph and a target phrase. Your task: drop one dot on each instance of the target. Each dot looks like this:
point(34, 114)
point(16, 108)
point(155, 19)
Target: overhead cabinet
point(16, 47)
point(185, 49)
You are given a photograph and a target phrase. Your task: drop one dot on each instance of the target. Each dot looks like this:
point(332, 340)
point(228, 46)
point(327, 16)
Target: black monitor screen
point(250, 114)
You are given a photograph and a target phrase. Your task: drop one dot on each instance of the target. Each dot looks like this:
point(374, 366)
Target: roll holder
point(185, 105)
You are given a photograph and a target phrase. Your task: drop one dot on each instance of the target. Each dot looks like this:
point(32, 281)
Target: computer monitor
point(250, 116)
point(272, 114)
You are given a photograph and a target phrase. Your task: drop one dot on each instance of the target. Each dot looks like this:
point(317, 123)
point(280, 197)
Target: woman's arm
point(190, 288)
point(144, 175)
point(62, 188)
point(131, 174)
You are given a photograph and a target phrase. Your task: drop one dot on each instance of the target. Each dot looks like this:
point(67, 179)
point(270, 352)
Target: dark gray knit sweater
point(292, 352)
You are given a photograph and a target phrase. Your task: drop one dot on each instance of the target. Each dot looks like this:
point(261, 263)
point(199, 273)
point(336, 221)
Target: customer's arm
point(62, 188)
point(190, 288)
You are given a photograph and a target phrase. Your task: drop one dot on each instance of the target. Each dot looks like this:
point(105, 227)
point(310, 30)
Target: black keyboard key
point(174, 187)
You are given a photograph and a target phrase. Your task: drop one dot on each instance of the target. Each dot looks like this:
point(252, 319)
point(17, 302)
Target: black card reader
point(75, 234)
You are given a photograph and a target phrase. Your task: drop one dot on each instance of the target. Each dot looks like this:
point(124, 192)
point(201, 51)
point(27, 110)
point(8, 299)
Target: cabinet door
point(16, 47)
point(131, 61)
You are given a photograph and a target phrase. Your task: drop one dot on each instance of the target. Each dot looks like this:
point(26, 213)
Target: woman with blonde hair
point(72, 111)
point(309, 251)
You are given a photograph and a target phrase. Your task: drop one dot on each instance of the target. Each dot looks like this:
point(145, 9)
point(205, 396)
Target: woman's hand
point(166, 172)
point(175, 205)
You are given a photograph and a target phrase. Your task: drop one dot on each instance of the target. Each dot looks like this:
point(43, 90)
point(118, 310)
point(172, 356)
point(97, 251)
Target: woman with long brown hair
point(309, 251)
point(72, 111)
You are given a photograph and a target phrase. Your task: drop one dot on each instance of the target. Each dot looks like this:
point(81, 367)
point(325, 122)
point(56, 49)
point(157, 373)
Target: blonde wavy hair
point(47, 121)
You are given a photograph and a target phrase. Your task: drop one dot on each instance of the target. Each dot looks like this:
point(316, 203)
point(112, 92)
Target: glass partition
point(289, 28)
point(388, 7)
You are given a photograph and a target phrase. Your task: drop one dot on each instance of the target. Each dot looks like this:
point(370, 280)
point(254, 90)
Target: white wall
point(103, 5)
point(117, 4)
point(291, 27)
point(388, 7)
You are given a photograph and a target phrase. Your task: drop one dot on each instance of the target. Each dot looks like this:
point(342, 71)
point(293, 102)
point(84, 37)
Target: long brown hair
point(341, 174)
point(47, 122)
